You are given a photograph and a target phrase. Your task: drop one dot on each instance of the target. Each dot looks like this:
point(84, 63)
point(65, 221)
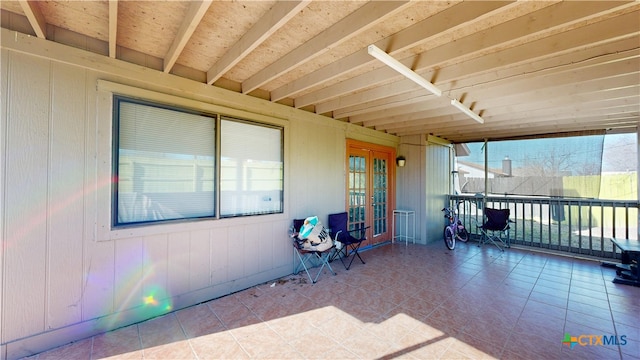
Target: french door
point(370, 193)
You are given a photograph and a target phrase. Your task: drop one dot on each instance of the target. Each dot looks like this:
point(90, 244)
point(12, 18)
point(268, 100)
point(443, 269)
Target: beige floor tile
point(119, 344)
point(77, 350)
point(221, 345)
point(413, 302)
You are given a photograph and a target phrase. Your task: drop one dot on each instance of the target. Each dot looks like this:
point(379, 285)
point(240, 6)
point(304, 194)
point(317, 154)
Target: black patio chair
point(496, 224)
point(350, 240)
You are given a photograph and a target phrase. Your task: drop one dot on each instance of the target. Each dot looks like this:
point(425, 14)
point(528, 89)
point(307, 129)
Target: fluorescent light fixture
point(399, 67)
point(467, 111)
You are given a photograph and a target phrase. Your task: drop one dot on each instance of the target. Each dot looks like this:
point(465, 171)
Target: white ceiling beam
point(396, 65)
point(370, 14)
point(277, 16)
point(191, 20)
point(113, 27)
point(35, 17)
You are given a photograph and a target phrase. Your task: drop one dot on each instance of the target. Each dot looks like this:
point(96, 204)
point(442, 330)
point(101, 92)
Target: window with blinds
point(166, 165)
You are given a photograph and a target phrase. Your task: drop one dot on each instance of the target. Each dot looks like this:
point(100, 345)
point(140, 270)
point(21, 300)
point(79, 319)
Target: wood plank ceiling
point(533, 68)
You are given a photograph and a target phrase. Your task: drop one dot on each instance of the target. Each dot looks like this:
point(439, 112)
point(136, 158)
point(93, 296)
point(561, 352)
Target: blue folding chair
point(351, 239)
point(495, 225)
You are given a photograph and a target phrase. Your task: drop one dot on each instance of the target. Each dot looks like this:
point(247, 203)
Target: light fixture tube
point(396, 65)
point(467, 111)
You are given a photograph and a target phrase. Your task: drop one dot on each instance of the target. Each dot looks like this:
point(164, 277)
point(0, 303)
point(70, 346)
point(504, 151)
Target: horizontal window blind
point(166, 164)
point(251, 169)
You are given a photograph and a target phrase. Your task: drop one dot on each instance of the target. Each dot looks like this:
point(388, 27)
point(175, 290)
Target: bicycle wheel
point(462, 235)
point(449, 239)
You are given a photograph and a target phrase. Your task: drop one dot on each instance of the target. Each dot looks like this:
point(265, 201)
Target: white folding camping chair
point(312, 253)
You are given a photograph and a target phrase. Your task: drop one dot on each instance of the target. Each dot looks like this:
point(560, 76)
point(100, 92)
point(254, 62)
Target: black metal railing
point(576, 226)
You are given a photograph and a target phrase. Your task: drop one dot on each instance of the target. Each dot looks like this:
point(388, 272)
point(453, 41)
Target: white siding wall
point(439, 166)
point(410, 180)
point(422, 184)
point(64, 274)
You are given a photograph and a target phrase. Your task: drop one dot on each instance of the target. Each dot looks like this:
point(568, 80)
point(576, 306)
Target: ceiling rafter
point(527, 67)
point(547, 86)
point(424, 65)
point(195, 13)
point(113, 27)
point(560, 125)
point(367, 16)
point(277, 17)
point(504, 118)
point(539, 50)
point(35, 16)
point(592, 101)
point(417, 34)
point(486, 82)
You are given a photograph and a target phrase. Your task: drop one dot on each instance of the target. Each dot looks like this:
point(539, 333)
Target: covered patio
point(135, 222)
point(407, 301)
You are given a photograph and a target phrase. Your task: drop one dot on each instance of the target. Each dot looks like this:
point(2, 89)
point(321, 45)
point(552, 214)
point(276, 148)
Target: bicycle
point(455, 229)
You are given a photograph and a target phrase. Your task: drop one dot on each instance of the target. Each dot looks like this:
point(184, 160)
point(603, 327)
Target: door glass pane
point(357, 190)
point(380, 196)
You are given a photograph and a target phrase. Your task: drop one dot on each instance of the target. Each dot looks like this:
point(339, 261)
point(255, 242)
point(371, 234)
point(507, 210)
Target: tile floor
point(411, 302)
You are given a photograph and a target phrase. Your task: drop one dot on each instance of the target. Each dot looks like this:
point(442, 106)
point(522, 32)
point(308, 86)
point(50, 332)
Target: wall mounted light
point(467, 111)
point(396, 65)
point(400, 160)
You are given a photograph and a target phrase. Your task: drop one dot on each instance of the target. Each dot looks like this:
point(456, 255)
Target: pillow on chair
point(316, 236)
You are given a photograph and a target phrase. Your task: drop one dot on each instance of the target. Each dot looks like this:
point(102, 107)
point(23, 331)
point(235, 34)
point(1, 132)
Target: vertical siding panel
point(98, 286)
point(282, 245)
point(236, 256)
point(4, 71)
point(265, 246)
point(155, 267)
point(251, 248)
point(128, 274)
point(26, 194)
point(98, 289)
point(199, 262)
point(99, 170)
point(219, 251)
point(66, 191)
point(437, 186)
point(411, 180)
point(178, 279)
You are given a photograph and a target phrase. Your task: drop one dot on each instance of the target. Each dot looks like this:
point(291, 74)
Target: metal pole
point(486, 172)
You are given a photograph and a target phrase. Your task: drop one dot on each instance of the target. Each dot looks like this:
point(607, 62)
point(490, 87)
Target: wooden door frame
point(362, 145)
